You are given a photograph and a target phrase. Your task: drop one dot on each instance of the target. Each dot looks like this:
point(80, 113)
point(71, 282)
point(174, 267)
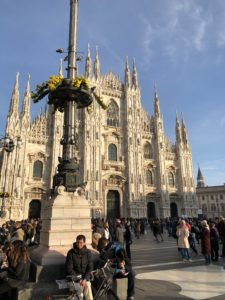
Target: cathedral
point(130, 166)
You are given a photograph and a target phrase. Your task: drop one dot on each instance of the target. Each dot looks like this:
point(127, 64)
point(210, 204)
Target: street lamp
point(8, 144)
point(69, 99)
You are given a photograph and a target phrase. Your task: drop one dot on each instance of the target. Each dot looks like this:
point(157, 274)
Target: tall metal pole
point(71, 99)
point(70, 111)
point(72, 48)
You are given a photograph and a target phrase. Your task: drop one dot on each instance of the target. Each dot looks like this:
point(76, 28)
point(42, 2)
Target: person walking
point(182, 242)
point(156, 227)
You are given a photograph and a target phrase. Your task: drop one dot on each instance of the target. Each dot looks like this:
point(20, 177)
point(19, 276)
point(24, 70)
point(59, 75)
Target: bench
point(23, 292)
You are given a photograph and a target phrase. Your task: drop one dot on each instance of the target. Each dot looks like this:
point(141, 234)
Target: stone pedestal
point(64, 216)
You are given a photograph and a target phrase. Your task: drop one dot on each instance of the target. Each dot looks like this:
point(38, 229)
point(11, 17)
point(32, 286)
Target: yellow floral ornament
point(56, 80)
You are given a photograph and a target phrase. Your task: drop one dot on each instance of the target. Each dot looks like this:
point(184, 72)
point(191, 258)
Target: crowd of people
point(111, 239)
point(15, 238)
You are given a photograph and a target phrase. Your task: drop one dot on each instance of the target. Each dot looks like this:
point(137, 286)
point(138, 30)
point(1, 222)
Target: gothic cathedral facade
point(130, 166)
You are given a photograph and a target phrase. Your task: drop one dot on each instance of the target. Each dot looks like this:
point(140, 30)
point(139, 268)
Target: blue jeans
point(185, 253)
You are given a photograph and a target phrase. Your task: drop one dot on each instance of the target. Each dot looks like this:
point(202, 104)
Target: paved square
point(196, 282)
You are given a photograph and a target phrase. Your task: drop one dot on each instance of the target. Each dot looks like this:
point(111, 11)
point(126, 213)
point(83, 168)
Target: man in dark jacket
point(79, 262)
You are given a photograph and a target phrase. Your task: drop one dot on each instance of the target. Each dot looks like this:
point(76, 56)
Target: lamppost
point(8, 144)
point(70, 99)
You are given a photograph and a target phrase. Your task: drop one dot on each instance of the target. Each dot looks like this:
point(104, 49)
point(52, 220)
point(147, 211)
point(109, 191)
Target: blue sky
point(180, 44)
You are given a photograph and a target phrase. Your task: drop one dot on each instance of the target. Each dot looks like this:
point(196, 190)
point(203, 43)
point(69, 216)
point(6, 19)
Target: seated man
point(79, 262)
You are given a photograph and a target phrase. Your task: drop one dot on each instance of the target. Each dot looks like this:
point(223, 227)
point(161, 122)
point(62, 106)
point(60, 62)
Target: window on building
point(204, 208)
point(149, 177)
point(148, 151)
point(171, 179)
point(221, 196)
point(203, 197)
point(112, 152)
point(212, 197)
point(113, 114)
point(213, 207)
point(38, 169)
point(222, 205)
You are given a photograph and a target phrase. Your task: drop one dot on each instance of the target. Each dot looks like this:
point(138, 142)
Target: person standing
point(128, 239)
point(214, 239)
point(106, 230)
point(183, 243)
point(120, 233)
point(205, 242)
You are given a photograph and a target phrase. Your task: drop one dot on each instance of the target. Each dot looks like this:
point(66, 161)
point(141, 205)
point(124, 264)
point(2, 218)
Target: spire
point(134, 76)
point(200, 178)
point(88, 63)
point(156, 102)
point(61, 68)
point(178, 132)
point(13, 109)
point(96, 65)
point(184, 131)
point(13, 114)
point(127, 74)
point(25, 113)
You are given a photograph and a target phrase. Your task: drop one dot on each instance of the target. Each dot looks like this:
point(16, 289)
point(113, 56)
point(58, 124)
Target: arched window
point(149, 177)
point(204, 208)
point(113, 114)
point(148, 151)
point(112, 152)
point(37, 169)
point(171, 179)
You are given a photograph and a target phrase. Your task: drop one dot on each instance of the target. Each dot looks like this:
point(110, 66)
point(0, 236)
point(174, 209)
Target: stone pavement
point(161, 274)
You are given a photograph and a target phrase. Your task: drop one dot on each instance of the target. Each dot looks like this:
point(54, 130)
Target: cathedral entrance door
point(34, 209)
point(151, 210)
point(173, 210)
point(113, 204)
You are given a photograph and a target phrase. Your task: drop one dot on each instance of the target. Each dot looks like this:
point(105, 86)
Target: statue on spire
point(184, 131)
point(96, 65)
point(134, 76)
point(178, 131)
point(127, 74)
point(156, 101)
point(88, 64)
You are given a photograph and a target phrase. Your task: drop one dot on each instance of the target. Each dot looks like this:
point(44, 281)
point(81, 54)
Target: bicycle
point(104, 280)
point(75, 290)
point(101, 286)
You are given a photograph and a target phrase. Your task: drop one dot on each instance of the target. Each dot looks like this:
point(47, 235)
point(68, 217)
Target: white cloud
point(179, 31)
point(149, 35)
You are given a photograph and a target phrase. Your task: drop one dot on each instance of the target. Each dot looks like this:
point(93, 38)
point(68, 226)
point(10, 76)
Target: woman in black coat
point(214, 238)
point(205, 242)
